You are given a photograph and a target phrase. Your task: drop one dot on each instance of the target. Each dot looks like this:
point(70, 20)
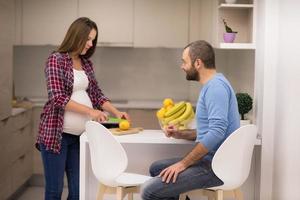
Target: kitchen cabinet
point(6, 56)
point(113, 18)
point(161, 23)
point(121, 23)
point(15, 152)
point(45, 22)
point(241, 17)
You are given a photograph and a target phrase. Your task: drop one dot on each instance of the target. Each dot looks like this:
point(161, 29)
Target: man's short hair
point(202, 50)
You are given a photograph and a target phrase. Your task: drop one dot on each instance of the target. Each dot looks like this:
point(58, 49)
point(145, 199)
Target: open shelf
point(236, 46)
point(240, 17)
point(238, 6)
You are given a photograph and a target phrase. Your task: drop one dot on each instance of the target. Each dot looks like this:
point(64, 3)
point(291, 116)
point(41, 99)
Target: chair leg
point(210, 194)
point(238, 195)
point(101, 191)
point(182, 196)
point(219, 195)
point(120, 193)
point(130, 196)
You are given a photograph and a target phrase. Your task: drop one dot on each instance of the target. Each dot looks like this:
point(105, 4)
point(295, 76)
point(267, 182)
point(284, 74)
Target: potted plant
point(245, 102)
point(229, 35)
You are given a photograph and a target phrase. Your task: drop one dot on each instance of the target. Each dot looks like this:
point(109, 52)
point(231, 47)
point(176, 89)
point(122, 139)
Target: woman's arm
point(96, 115)
point(107, 106)
point(55, 82)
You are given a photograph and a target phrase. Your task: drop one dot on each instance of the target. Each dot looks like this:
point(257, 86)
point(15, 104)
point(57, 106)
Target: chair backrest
point(232, 161)
point(108, 157)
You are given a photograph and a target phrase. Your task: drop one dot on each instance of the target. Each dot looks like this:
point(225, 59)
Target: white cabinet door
point(161, 23)
point(114, 19)
point(6, 56)
point(46, 22)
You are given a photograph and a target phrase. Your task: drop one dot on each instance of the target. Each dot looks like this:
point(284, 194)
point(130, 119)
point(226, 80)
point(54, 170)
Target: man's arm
point(195, 155)
point(188, 134)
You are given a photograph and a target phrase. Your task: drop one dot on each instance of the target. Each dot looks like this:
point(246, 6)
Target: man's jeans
point(199, 175)
point(56, 164)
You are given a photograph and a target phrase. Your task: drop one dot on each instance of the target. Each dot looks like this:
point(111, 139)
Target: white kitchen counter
point(16, 111)
point(145, 137)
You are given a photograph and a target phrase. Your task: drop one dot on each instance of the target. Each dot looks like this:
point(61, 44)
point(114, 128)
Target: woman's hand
point(98, 115)
point(122, 115)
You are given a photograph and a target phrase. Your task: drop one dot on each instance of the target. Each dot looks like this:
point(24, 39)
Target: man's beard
point(192, 74)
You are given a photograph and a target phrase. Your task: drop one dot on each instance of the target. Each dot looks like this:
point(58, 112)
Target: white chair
point(109, 162)
point(231, 163)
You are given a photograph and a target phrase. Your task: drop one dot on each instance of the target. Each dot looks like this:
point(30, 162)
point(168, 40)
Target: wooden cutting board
point(117, 131)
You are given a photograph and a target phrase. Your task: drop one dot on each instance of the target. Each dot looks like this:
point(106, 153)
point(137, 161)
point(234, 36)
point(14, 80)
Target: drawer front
point(6, 125)
point(21, 170)
point(5, 183)
point(21, 142)
point(5, 144)
point(21, 120)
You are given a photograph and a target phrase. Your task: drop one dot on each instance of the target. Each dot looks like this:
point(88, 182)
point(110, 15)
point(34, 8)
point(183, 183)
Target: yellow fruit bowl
point(180, 114)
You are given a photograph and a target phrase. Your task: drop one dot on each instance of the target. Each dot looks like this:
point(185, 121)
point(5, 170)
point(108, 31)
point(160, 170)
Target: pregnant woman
point(74, 97)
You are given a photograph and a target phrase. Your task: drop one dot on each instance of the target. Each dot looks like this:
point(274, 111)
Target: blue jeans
point(199, 175)
point(56, 164)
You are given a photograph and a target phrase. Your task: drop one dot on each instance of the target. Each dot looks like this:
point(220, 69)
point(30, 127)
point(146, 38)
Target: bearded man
point(216, 118)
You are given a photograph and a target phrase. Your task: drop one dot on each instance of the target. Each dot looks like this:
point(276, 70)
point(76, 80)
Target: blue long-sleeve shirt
point(216, 114)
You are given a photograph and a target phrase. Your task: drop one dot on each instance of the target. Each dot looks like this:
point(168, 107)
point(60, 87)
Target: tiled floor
point(37, 193)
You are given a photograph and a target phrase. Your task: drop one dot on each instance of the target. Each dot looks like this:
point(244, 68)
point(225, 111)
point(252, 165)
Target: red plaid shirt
point(60, 78)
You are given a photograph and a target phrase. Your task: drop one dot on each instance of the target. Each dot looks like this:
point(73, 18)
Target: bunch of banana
point(179, 114)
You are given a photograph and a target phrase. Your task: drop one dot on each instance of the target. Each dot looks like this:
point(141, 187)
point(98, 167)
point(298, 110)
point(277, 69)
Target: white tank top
point(74, 123)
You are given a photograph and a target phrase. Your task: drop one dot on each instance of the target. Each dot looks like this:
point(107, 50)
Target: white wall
point(278, 54)
point(134, 73)
point(287, 128)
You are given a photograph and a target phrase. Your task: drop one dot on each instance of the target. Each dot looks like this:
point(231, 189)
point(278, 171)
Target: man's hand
point(172, 172)
point(172, 131)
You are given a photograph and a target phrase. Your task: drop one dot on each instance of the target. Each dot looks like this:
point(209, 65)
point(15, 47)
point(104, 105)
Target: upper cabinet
point(6, 56)
point(139, 23)
point(114, 19)
point(160, 23)
point(45, 22)
point(239, 16)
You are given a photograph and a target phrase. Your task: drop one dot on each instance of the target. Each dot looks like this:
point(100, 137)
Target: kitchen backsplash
point(126, 73)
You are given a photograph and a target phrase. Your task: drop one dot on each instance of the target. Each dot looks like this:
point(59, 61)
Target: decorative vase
point(229, 37)
point(230, 1)
point(245, 122)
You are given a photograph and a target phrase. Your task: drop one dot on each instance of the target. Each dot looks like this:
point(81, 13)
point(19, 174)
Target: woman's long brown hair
point(77, 36)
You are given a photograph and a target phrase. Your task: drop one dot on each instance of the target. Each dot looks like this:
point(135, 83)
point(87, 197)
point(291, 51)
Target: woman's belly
point(74, 123)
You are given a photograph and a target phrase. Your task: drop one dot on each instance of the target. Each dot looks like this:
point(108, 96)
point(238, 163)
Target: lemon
point(167, 102)
point(124, 125)
point(169, 107)
point(161, 113)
